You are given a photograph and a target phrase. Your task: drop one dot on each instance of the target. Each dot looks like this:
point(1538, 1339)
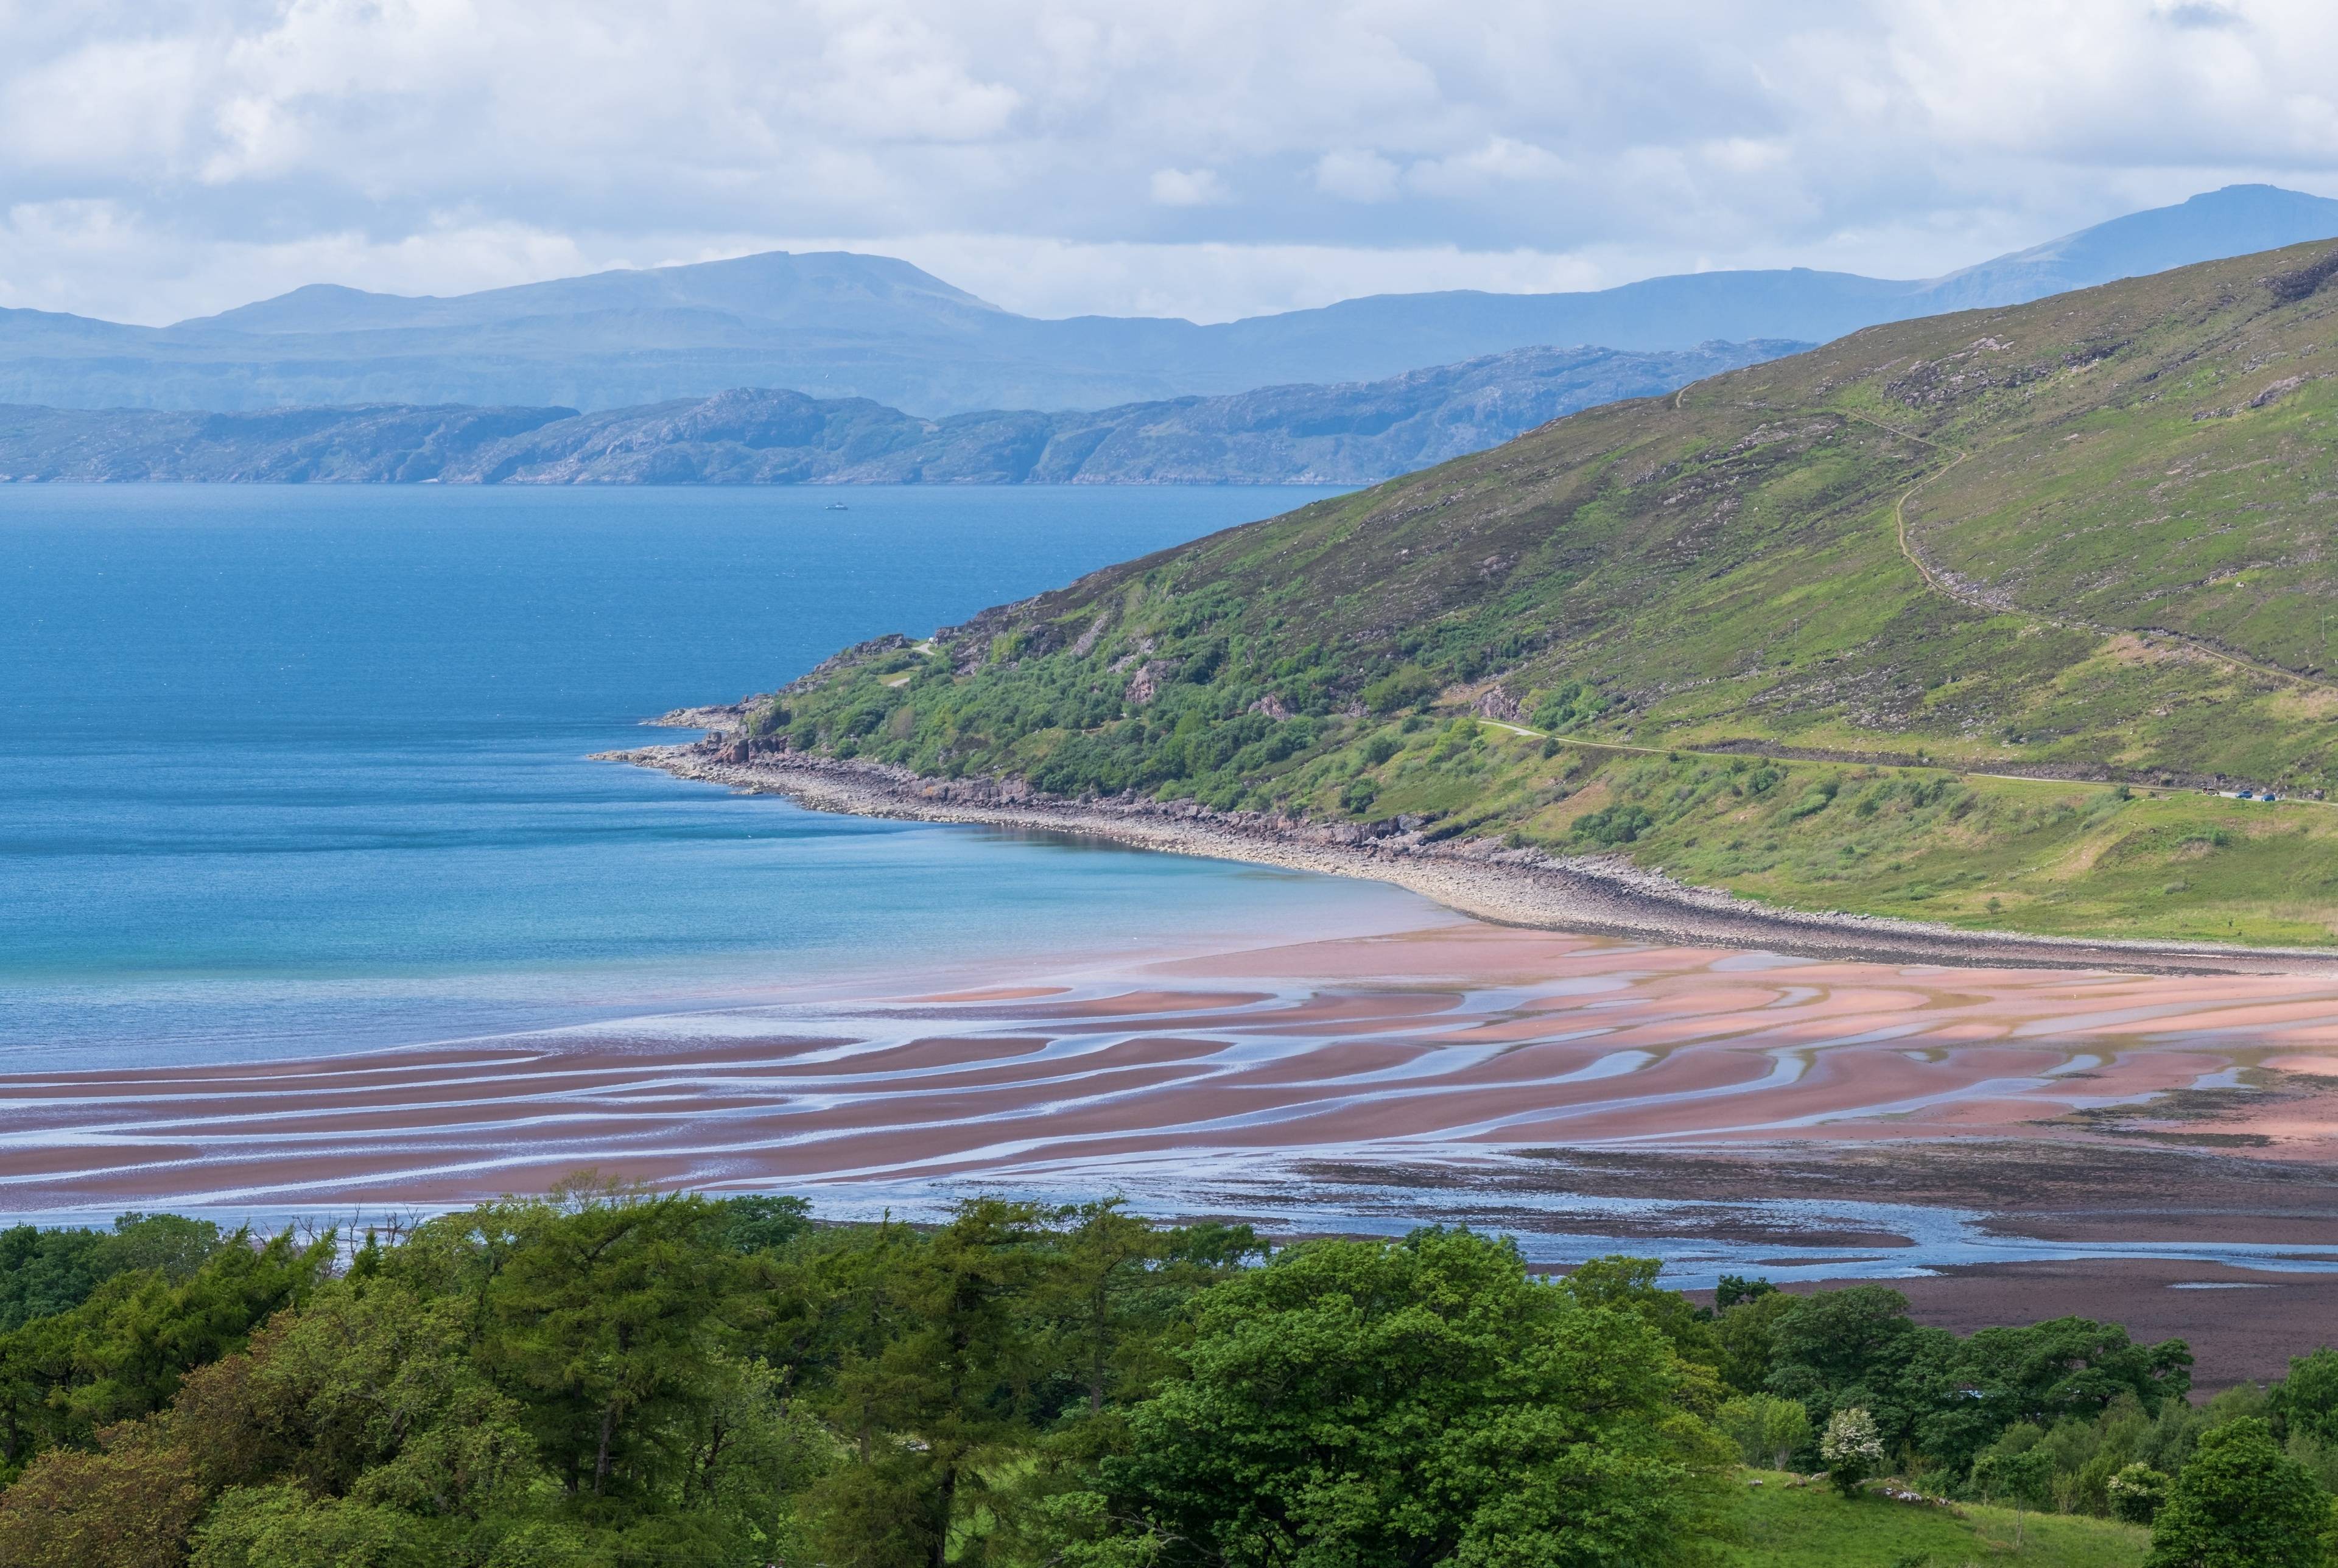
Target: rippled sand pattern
point(1431, 1046)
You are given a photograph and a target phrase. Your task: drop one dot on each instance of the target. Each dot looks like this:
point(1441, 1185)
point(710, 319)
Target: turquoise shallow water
point(302, 769)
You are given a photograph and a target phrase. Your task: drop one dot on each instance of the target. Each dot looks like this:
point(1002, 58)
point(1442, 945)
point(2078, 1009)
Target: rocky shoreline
point(1600, 895)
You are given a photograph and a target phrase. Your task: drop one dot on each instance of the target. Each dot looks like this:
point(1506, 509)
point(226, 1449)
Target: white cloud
point(1355, 175)
point(1497, 162)
point(1207, 158)
point(1189, 188)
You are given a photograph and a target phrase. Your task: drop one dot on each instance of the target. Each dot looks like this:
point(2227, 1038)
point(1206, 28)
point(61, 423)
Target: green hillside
point(2083, 540)
point(1787, 1526)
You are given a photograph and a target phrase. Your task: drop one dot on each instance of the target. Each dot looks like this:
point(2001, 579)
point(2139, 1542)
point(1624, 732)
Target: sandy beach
point(1605, 895)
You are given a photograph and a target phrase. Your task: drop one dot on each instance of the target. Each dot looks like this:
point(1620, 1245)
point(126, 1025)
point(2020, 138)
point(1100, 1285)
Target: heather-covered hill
point(2084, 539)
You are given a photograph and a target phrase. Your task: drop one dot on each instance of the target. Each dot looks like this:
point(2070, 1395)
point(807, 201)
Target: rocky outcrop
point(1495, 703)
point(1150, 677)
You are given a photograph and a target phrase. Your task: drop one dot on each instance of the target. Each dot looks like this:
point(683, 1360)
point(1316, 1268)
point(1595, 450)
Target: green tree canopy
point(1422, 1402)
point(2306, 1401)
point(2241, 1503)
point(2065, 1369)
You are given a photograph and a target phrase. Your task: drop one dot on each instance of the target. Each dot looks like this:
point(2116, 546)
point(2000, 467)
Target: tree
point(943, 1374)
point(283, 1526)
point(1103, 1262)
point(2023, 1475)
point(1744, 1332)
point(606, 1324)
point(1852, 1448)
point(1767, 1430)
point(370, 1393)
point(2241, 1503)
point(121, 1353)
point(762, 1222)
point(1630, 1284)
point(1426, 1401)
point(130, 1505)
point(2063, 1369)
point(1734, 1289)
point(2306, 1400)
point(1836, 1349)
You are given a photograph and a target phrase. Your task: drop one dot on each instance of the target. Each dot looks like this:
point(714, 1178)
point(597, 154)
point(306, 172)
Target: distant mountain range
point(838, 325)
point(1355, 433)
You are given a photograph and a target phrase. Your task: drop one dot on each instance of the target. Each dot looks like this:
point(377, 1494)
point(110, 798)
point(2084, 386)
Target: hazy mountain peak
point(2236, 221)
point(814, 288)
point(837, 324)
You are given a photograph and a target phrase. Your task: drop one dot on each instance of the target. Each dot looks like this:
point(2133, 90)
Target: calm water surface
point(303, 769)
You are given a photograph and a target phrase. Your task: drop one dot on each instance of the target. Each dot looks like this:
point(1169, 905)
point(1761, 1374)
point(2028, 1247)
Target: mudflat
point(2001, 1141)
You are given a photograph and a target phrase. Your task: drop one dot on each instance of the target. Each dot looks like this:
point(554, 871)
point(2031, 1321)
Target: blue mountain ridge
point(1342, 435)
point(837, 325)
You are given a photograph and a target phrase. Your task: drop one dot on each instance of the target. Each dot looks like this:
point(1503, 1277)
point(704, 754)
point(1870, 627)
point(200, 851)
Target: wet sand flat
point(1468, 1040)
point(2002, 1144)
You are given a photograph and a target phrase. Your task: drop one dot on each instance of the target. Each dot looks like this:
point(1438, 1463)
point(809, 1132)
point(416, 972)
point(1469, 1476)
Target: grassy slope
point(1811, 1527)
point(2123, 496)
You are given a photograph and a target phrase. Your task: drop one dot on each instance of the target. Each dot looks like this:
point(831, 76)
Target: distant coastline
point(1356, 432)
point(1597, 895)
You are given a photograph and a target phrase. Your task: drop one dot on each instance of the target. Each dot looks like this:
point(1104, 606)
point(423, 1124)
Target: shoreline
point(1603, 896)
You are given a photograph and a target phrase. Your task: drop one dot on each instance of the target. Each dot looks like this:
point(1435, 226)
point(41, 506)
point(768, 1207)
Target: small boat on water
point(836, 507)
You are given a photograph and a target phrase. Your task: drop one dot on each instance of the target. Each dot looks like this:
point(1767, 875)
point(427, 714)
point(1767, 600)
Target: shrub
point(1568, 705)
point(1613, 825)
point(2138, 1493)
point(1816, 799)
point(1407, 686)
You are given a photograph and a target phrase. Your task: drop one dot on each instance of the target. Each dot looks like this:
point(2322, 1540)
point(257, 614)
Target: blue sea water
point(301, 769)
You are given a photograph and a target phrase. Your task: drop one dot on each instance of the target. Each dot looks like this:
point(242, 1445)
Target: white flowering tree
point(1851, 1447)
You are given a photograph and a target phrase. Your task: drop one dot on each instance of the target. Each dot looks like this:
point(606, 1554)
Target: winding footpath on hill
point(1942, 584)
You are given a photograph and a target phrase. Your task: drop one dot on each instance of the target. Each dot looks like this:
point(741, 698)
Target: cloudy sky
point(1201, 158)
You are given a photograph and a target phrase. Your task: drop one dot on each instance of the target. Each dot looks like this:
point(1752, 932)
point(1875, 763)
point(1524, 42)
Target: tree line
point(605, 1375)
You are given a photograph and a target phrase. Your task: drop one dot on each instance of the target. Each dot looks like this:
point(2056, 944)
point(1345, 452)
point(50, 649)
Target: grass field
point(1784, 1526)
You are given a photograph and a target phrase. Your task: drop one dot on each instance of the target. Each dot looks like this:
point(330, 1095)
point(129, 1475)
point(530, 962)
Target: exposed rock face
point(1496, 703)
point(1150, 677)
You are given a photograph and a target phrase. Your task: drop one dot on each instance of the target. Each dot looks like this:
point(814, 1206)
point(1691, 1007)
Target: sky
point(1211, 158)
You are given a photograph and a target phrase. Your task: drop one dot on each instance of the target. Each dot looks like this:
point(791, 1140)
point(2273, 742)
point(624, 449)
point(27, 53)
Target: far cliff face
point(1357, 433)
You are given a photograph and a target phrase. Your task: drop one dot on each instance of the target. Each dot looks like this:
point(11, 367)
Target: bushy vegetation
point(1721, 578)
point(610, 1377)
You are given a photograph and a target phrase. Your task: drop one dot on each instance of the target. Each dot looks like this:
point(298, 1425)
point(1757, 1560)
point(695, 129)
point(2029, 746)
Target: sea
point(306, 771)
point(298, 771)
